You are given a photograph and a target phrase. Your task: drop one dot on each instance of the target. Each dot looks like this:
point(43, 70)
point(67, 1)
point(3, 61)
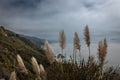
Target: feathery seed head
point(42, 70)
point(62, 39)
point(35, 66)
point(102, 50)
point(87, 35)
point(77, 41)
point(13, 76)
point(21, 64)
point(46, 44)
point(49, 52)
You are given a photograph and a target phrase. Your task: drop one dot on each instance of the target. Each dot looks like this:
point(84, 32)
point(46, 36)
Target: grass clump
point(60, 69)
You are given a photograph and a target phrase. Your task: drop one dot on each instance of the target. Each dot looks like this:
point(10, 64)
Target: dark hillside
point(12, 44)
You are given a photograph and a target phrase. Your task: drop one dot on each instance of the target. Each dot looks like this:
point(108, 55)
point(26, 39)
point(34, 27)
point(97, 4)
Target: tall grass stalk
point(87, 37)
point(62, 41)
point(102, 51)
point(77, 45)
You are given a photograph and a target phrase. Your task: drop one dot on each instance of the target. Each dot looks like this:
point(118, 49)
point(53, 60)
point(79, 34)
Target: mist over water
point(112, 58)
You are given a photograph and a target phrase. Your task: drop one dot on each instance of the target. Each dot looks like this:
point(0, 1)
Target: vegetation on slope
point(22, 60)
point(12, 44)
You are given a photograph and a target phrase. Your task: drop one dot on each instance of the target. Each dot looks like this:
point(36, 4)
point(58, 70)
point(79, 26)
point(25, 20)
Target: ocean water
point(112, 58)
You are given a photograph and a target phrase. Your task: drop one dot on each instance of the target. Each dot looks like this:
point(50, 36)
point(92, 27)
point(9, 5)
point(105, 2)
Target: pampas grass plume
point(87, 37)
point(35, 66)
point(102, 50)
point(62, 39)
point(49, 52)
point(13, 76)
point(21, 64)
point(77, 41)
point(42, 70)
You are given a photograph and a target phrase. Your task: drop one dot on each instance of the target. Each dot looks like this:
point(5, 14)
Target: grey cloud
point(18, 4)
point(48, 17)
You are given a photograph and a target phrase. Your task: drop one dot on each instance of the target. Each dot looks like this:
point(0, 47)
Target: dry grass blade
point(35, 67)
point(21, 64)
point(13, 76)
point(49, 52)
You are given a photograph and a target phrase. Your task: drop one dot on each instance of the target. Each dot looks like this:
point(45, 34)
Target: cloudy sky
point(45, 18)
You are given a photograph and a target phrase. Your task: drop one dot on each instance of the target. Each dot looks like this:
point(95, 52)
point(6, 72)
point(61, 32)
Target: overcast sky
point(45, 18)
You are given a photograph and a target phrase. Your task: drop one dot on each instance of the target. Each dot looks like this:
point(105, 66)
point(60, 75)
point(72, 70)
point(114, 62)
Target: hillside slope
point(12, 44)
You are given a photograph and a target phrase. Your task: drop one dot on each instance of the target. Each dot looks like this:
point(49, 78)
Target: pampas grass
point(60, 70)
point(62, 40)
point(21, 64)
point(49, 52)
point(77, 41)
point(102, 51)
point(105, 45)
point(77, 45)
point(36, 67)
point(13, 76)
point(42, 72)
point(87, 37)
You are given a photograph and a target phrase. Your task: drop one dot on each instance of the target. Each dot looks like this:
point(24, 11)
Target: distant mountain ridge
point(37, 41)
